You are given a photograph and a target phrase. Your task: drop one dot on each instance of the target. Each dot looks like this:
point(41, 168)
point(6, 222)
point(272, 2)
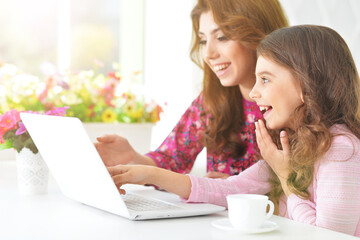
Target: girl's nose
point(254, 94)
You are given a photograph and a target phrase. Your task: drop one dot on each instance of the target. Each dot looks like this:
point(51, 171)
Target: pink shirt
point(180, 149)
point(334, 194)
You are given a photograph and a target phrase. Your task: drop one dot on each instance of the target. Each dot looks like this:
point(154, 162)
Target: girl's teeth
point(263, 109)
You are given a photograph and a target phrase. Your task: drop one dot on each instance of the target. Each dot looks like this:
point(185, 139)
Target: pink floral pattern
point(180, 149)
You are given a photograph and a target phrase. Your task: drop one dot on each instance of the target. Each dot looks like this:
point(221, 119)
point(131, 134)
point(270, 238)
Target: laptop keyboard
point(139, 203)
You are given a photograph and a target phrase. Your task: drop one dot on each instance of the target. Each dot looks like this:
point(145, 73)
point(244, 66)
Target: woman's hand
point(278, 160)
point(114, 150)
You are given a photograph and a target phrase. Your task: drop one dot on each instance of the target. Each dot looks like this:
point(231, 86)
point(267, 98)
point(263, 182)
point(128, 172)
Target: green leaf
point(6, 145)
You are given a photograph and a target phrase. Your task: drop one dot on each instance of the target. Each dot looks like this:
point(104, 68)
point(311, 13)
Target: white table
point(53, 216)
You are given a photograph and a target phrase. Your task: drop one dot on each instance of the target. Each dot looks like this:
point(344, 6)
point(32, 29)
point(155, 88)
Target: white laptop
point(81, 174)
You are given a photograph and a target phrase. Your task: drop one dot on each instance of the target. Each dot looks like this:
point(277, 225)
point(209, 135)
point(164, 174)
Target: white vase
point(33, 173)
point(138, 134)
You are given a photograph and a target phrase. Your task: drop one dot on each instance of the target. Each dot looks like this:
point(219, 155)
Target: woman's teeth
point(220, 67)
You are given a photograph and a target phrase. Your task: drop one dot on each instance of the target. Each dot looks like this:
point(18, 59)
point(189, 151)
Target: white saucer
point(225, 224)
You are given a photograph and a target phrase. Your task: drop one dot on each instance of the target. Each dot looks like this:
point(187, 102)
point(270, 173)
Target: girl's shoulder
point(342, 135)
point(344, 146)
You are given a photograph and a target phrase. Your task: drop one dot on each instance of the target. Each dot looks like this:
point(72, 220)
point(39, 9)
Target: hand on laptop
point(114, 150)
point(135, 174)
point(141, 174)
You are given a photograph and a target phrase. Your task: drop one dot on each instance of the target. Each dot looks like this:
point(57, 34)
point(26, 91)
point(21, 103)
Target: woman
point(225, 36)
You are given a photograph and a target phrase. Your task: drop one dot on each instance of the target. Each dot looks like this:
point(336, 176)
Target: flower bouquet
point(13, 133)
point(91, 95)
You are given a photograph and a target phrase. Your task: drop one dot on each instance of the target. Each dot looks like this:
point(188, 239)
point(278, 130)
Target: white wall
point(168, 71)
point(341, 15)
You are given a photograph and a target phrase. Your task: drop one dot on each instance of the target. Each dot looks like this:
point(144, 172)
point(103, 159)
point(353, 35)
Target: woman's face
point(232, 63)
point(276, 92)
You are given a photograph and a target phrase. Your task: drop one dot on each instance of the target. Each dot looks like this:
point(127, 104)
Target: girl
point(308, 89)
point(225, 35)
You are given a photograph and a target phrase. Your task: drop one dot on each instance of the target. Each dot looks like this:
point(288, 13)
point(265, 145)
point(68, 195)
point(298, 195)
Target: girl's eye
point(222, 38)
point(265, 80)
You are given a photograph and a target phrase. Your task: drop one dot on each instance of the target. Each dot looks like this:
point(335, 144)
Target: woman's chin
point(228, 83)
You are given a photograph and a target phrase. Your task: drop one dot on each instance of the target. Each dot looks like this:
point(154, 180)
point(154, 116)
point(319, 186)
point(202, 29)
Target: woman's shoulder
point(198, 101)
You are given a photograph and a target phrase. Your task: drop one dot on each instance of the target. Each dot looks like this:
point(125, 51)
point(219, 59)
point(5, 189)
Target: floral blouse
point(180, 149)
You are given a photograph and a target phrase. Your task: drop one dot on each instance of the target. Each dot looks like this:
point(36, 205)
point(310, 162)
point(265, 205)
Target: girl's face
point(233, 63)
point(276, 92)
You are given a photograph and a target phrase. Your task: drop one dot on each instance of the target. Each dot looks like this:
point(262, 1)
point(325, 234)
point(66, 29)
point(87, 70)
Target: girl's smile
point(277, 93)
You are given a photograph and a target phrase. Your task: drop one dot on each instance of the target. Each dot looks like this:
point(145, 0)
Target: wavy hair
point(319, 58)
point(247, 21)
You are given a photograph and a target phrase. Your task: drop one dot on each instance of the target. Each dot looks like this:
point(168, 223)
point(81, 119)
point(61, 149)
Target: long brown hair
point(321, 61)
point(247, 21)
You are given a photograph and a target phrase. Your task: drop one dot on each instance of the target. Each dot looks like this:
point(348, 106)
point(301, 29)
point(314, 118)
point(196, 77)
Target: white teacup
point(248, 211)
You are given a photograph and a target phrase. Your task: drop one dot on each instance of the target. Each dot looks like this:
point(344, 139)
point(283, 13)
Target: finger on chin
point(258, 134)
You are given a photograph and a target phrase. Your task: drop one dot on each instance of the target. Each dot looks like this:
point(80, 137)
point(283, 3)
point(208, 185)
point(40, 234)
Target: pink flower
point(114, 75)
point(21, 129)
point(60, 111)
point(2, 132)
point(43, 95)
point(9, 120)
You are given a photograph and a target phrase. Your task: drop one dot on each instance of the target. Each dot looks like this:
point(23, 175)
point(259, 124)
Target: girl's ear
point(302, 97)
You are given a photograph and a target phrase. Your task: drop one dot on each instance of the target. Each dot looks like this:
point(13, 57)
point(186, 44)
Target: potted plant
point(32, 170)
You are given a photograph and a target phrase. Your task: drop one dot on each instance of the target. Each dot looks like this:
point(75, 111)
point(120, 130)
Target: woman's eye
point(265, 80)
point(222, 38)
point(202, 42)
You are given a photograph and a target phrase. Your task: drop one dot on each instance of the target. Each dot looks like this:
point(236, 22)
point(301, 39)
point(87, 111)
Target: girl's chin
point(268, 126)
point(271, 126)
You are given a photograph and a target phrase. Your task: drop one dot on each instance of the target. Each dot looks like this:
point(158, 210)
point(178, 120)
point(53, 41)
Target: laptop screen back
point(73, 161)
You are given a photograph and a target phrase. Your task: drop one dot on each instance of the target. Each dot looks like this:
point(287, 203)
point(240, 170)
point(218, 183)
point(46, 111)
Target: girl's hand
point(217, 175)
point(177, 183)
point(135, 174)
point(278, 160)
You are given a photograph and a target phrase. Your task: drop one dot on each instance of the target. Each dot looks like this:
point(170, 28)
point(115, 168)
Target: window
point(28, 33)
point(67, 33)
point(94, 33)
